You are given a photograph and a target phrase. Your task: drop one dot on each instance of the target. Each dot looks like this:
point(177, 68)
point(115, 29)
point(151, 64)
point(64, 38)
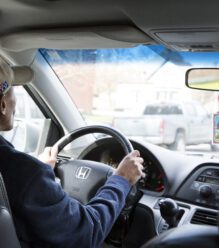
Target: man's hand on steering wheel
point(49, 155)
point(131, 167)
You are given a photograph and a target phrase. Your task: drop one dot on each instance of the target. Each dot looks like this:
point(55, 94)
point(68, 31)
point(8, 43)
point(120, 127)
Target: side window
point(28, 123)
point(176, 110)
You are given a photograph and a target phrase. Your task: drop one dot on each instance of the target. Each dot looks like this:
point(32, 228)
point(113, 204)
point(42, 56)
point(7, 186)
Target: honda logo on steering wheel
point(83, 172)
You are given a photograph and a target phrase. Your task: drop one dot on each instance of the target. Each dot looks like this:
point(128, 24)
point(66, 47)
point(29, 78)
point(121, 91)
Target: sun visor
point(22, 75)
point(12, 76)
point(75, 38)
point(188, 39)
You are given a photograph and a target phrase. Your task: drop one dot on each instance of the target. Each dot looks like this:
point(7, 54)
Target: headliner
point(29, 24)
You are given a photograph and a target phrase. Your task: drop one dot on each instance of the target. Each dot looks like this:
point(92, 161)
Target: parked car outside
point(170, 124)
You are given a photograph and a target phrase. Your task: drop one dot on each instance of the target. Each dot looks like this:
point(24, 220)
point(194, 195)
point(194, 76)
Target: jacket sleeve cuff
point(120, 182)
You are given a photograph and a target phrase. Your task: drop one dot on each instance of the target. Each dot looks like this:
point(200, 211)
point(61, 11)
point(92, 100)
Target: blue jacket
point(45, 216)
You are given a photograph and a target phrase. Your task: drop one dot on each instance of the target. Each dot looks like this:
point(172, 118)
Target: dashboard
point(191, 181)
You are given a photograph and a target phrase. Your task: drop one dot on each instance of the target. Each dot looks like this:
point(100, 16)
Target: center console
point(202, 187)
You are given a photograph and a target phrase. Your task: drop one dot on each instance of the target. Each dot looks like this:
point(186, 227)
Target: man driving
point(44, 215)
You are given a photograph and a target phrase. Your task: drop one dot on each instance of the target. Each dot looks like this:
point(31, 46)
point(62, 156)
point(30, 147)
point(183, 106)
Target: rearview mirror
point(203, 78)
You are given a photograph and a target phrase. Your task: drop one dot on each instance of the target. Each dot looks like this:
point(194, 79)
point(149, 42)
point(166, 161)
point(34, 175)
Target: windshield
point(141, 91)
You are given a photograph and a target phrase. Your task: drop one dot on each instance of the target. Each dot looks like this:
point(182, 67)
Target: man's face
point(8, 103)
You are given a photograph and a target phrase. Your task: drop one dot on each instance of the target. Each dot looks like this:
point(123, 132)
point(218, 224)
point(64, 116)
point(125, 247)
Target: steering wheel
point(82, 178)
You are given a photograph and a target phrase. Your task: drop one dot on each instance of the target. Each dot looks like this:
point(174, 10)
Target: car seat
point(8, 236)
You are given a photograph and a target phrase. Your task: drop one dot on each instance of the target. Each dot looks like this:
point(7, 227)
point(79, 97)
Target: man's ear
point(2, 105)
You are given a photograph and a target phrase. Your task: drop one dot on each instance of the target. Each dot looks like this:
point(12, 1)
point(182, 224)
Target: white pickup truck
point(171, 124)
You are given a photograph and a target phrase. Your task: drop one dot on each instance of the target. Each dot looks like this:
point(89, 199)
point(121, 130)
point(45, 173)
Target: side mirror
point(203, 78)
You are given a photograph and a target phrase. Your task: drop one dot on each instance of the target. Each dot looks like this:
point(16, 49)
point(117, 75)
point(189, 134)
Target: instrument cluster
point(113, 154)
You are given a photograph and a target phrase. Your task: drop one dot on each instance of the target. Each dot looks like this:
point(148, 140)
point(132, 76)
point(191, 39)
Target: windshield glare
point(141, 91)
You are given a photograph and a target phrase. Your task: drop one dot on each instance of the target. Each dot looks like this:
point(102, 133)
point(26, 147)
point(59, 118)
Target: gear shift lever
point(170, 212)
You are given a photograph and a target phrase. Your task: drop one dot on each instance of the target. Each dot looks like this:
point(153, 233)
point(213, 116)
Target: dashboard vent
point(203, 217)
